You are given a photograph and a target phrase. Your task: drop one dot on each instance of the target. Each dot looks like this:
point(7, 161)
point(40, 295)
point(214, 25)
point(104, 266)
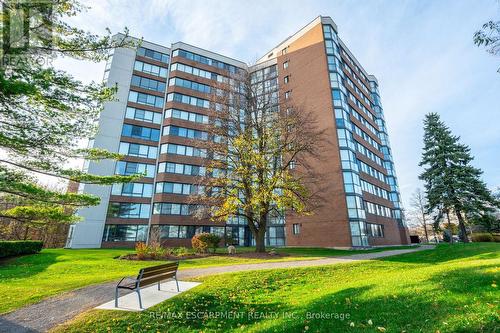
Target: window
point(159, 56)
point(355, 207)
point(185, 115)
point(146, 99)
point(133, 190)
point(203, 88)
point(170, 148)
point(375, 230)
point(276, 236)
point(351, 182)
point(127, 210)
point(140, 132)
point(133, 168)
point(168, 208)
point(180, 98)
point(292, 165)
point(296, 228)
point(149, 84)
point(143, 115)
point(376, 209)
point(177, 188)
point(183, 169)
point(286, 79)
point(287, 94)
point(358, 233)
point(374, 189)
point(177, 231)
point(204, 60)
point(125, 233)
point(285, 64)
point(150, 69)
point(198, 72)
point(185, 132)
point(135, 149)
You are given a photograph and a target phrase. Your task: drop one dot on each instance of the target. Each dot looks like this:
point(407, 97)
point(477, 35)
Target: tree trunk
point(425, 228)
point(435, 235)
point(260, 240)
point(461, 224)
point(449, 226)
point(26, 229)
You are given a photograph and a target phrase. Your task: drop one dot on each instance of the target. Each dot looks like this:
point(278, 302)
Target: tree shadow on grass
point(26, 266)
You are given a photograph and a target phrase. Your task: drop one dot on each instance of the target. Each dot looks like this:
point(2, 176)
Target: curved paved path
point(55, 310)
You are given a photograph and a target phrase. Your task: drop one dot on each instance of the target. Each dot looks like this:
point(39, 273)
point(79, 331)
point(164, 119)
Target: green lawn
point(28, 279)
point(450, 289)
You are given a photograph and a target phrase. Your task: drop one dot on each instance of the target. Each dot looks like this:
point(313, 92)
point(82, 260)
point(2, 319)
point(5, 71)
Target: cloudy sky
point(421, 52)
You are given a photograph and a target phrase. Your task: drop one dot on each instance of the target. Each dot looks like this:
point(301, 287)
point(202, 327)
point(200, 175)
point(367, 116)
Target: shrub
point(15, 248)
point(199, 245)
point(180, 251)
point(496, 237)
point(483, 237)
point(201, 242)
point(141, 249)
point(155, 250)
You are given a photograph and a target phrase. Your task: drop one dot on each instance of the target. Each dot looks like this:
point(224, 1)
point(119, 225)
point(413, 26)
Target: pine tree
point(44, 112)
point(452, 184)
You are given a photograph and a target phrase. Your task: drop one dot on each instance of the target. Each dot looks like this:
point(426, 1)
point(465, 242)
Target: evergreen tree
point(44, 112)
point(452, 184)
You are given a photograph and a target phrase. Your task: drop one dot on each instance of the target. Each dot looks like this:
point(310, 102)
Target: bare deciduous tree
point(418, 213)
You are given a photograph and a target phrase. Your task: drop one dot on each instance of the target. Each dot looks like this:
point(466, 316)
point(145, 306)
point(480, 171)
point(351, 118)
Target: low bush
point(153, 251)
point(141, 249)
point(180, 251)
point(483, 237)
point(202, 242)
point(496, 237)
point(15, 248)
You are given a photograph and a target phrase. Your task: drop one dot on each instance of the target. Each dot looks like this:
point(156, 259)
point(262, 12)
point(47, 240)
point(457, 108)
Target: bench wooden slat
point(153, 268)
point(158, 272)
point(157, 278)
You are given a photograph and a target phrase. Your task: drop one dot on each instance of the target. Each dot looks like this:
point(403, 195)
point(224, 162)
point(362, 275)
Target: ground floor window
point(232, 235)
point(375, 230)
point(275, 236)
point(296, 228)
point(359, 234)
point(177, 231)
point(125, 233)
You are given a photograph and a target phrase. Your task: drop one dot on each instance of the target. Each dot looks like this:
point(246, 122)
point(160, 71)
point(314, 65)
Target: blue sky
point(420, 51)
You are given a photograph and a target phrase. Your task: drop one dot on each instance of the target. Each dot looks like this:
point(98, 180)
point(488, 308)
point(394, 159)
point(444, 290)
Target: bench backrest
point(154, 274)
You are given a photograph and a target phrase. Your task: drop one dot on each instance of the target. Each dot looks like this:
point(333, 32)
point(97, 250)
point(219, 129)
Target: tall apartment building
point(158, 123)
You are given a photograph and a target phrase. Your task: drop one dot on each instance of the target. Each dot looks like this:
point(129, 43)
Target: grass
point(28, 279)
point(450, 289)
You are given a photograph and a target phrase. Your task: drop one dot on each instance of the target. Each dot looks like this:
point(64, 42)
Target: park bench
point(146, 277)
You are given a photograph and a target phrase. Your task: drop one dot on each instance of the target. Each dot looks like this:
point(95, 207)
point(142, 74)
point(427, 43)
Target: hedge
point(15, 248)
point(483, 237)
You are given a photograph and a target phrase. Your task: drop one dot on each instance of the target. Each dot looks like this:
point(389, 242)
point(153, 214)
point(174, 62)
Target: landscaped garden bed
point(193, 255)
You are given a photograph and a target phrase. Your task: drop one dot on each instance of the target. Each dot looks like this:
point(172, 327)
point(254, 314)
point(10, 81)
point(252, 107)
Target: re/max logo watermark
point(27, 28)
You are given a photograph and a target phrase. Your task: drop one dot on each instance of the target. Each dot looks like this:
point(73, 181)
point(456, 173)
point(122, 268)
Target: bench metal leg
point(177, 283)
point(139, 295)
point(116, 297)
point(158, 285)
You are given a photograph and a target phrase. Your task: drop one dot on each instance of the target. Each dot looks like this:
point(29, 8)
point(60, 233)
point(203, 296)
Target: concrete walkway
point(52, 311)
